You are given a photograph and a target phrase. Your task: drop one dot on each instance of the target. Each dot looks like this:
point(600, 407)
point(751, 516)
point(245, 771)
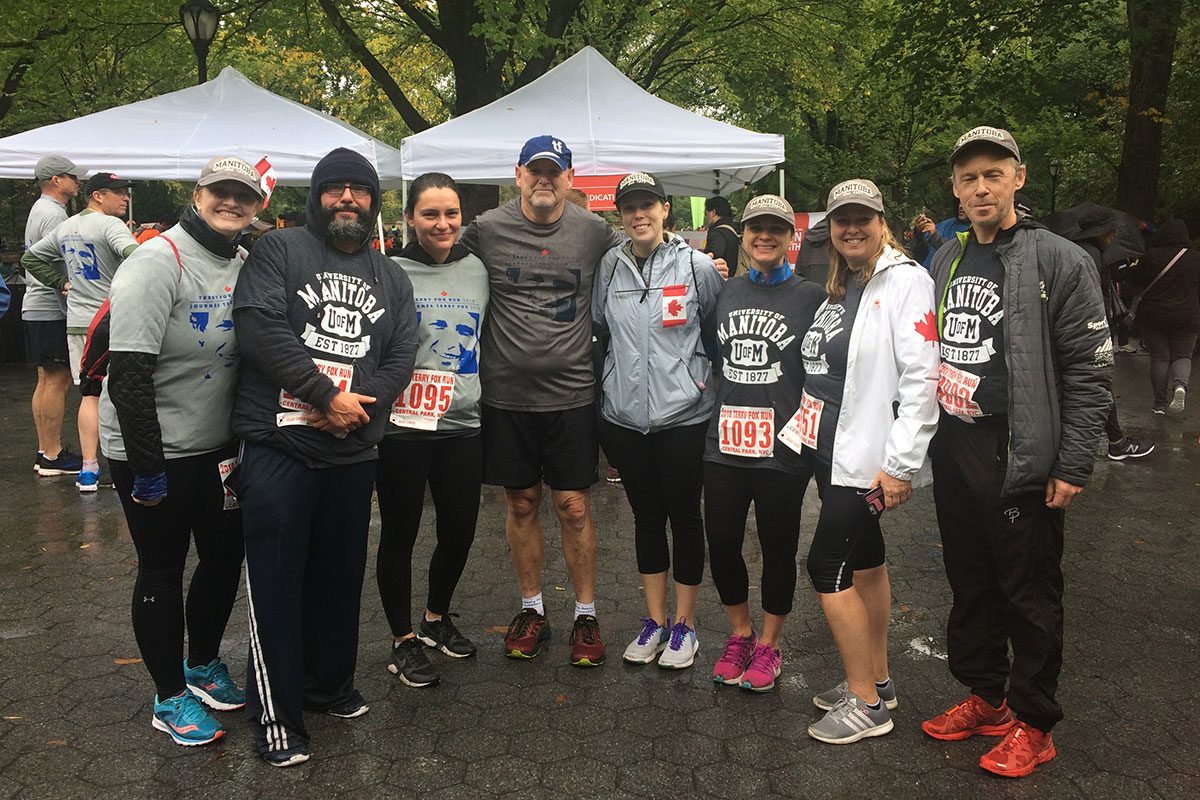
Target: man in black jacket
point(723, 239)
point(327, 332)
point(1024, 389)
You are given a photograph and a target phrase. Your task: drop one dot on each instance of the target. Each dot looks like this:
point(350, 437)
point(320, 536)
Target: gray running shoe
point(827, 700)
point(1179, 400)
point(652, 640)
point(850, 721)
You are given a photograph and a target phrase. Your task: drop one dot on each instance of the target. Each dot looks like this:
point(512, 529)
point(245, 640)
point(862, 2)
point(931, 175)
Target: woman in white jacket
point(651, 294)
point(867, 414)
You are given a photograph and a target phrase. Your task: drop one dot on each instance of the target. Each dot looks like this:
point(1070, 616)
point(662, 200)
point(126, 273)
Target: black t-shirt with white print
point(974, 374)
point(826, 351)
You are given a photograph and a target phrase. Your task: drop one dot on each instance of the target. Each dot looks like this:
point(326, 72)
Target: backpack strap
point(174, 250)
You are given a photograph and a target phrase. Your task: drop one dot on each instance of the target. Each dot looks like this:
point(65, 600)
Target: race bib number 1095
point(424, 401)
point(746, 431)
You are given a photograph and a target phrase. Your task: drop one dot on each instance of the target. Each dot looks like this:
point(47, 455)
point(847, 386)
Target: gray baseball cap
point(986, 135)
point(769, 205)
point(859, 191)
point(231, 168)
point(49, 166)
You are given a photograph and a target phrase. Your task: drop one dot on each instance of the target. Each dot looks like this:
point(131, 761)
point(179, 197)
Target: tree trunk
point(1153, 25)
point(478, 198)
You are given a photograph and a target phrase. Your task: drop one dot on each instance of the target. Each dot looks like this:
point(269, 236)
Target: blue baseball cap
point(548, 147)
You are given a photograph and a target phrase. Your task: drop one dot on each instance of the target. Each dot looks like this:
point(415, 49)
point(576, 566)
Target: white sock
point(535, 603)
point(91, 466)
point(584, 608)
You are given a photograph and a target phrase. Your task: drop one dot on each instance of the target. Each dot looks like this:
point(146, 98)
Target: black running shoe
point(411, 665)
point(442, 634)
point(356, 706)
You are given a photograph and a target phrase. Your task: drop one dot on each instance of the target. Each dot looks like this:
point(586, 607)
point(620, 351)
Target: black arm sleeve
point(131, 389)
point(266, 339)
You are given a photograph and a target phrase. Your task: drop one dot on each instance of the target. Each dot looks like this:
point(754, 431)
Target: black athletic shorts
point(524, 448)
point(46, 342)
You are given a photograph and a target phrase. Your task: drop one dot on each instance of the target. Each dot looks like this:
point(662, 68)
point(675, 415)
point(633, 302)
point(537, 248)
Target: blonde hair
point(839, 270)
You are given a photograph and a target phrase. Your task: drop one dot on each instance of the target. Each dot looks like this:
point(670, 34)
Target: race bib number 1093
point(746, 431)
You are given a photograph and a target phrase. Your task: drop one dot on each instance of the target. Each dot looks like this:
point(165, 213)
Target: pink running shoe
point(733, 662)
point(764, 668)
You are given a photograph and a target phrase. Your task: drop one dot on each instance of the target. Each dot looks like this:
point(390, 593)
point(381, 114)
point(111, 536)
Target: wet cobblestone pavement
point(75, 699)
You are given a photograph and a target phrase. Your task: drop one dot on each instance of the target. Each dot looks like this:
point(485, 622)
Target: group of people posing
point(256, 403)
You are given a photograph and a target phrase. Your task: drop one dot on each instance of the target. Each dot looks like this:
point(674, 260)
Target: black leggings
point(452, 466)
point(193, 508)
point(847, 538)
point(777, 497)
point(662, 475)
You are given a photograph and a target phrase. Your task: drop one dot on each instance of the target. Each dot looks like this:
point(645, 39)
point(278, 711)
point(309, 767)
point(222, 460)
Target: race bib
point(342, 376)
point(424, 401)
point(746, 431)
point(674, 305)
point(225, 469)
point(956, 391)
point(802, 429)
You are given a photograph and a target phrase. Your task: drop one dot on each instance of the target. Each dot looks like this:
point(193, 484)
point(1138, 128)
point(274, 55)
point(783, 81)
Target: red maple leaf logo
point(927, 327)
point(674, 308)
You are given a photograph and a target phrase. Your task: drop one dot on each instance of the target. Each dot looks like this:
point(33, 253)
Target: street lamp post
point(1055, 169)
point(199, 20)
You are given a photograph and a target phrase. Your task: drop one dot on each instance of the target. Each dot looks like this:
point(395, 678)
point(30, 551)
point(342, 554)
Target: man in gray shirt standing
point(44, 314)
point(539, 421)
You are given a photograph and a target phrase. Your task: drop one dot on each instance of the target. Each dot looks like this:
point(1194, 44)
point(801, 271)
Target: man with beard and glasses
point(328, 336)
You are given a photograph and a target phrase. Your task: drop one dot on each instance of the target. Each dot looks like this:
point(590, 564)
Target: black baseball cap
point(639, 182)
point(104, 180)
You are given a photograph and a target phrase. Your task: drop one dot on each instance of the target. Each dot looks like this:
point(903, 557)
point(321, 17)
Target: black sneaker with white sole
point(1128, 448)
point(441, 634)
point(411, 665)
point(355, 706)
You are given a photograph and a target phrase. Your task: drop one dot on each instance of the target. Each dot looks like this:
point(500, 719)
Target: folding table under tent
point(611, 124)
point(171, 136)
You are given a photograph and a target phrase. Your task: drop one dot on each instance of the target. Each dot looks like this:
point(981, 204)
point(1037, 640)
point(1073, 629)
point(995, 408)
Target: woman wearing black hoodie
point(1168, 312)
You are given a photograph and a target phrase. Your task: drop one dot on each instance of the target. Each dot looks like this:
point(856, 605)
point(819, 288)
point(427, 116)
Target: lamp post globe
point(199, 19)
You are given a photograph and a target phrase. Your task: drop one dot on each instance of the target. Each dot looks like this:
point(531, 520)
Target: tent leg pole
point(404, 203)
point(382, 241)
point(781, 183)
point(129, 211)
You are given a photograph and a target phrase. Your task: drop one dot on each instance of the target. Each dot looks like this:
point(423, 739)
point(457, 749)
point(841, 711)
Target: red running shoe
point(587, 650)
point(1019, 753)
point(525, 636)
point(972, 717)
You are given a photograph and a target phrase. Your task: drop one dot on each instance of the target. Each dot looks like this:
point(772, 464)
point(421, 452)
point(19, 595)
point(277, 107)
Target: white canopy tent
point(611, 124)
point(171, 136)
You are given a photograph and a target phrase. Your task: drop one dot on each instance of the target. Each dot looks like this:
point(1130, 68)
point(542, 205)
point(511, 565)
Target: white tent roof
point(612, 126)
point(171, 136)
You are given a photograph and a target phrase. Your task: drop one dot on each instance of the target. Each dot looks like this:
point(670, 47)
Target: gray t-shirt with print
point(181, 311)
point(43, 303)
point(92, 245)
point(536, 350)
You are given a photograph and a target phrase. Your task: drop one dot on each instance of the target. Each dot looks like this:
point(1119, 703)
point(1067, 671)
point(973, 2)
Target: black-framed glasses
point(357, 190)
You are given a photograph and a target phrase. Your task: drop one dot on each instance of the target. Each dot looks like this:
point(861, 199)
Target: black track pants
point(1003, 557)
point(306, 550)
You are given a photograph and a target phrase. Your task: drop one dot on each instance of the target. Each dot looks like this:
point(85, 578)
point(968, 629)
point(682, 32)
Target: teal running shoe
point(183, 719)
point(212, 684)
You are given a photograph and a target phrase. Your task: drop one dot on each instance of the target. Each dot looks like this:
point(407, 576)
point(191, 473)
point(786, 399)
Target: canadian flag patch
point(674, 305)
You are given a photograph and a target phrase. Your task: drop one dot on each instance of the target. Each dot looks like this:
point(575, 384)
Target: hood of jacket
point(1173, 233)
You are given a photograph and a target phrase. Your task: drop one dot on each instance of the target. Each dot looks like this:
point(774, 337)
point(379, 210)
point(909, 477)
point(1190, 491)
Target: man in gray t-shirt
point(92, 244)
point(539, 421)
point(44, 314)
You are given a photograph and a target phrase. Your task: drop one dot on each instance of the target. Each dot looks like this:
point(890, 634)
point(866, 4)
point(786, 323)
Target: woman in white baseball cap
point(872, 348)
point(165, 427)
point(760, 319)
